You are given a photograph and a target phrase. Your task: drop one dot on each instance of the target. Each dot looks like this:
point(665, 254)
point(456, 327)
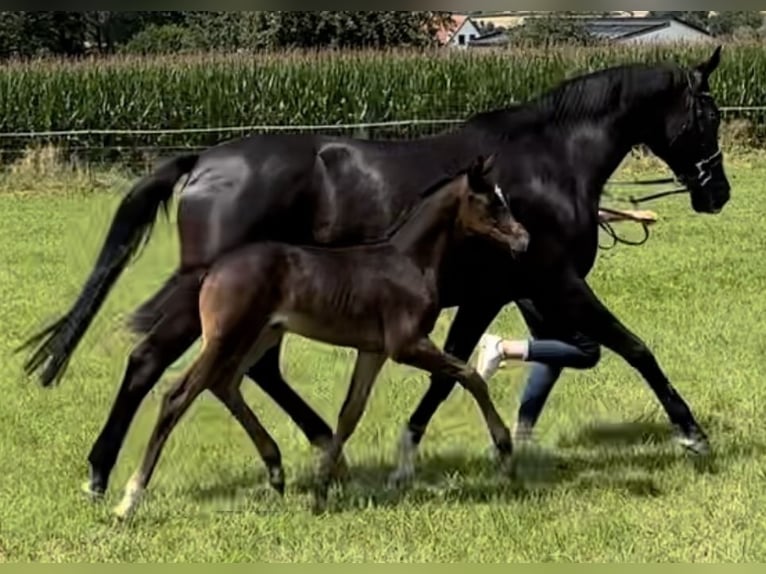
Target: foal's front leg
point(424, 354)
point(470, 322)
point(366, 370)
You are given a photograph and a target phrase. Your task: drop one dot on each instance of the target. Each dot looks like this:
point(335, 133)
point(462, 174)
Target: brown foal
point(379, 298)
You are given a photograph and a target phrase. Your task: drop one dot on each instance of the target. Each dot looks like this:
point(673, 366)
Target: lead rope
point(635, 202)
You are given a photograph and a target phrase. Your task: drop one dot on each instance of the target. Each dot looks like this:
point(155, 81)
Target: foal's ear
point(488, 164)
point(475, 172)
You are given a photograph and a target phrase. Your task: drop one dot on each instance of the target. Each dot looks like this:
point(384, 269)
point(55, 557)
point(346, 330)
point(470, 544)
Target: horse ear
point(704, 70)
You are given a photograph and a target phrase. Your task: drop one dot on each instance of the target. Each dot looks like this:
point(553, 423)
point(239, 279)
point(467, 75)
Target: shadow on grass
point(617, 457)
point(457, 479)
point(618, 435)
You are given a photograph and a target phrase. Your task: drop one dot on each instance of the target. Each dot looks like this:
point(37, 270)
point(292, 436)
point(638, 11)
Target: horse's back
point(293, 188)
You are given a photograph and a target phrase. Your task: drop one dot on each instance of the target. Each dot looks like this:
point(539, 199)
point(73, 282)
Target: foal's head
point(484, 212)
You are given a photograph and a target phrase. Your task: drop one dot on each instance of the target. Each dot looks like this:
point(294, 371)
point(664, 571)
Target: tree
point(350, 29)
point(11, 33)
point(727, 23)
point(552, 29)
point(166, 39)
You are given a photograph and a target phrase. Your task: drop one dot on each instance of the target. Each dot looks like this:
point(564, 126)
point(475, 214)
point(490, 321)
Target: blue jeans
point(550, 350)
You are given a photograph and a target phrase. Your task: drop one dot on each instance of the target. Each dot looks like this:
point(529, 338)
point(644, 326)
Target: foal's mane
point(588, 96)
point(405, 215)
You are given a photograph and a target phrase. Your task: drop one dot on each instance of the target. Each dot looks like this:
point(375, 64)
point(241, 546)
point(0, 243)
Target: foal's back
point(340, 296)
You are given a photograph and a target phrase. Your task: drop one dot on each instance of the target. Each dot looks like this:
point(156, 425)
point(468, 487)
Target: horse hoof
point(93, 493)
point(695, 442)
point(277, 479)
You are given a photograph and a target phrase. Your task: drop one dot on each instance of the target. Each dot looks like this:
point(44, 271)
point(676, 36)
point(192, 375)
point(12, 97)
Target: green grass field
point(606, 484)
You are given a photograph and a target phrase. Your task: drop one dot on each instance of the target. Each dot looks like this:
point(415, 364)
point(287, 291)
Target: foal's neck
point(425, 235)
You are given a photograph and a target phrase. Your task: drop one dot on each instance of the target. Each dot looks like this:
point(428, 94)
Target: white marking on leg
point(133, 492)
point(87, 488)
point(407, 453)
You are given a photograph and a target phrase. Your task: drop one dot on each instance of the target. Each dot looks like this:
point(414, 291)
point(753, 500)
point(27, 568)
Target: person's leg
point(581, 353)
point(548, 356)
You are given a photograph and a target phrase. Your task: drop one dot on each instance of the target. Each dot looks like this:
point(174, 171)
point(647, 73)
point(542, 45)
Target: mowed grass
point(606, 484)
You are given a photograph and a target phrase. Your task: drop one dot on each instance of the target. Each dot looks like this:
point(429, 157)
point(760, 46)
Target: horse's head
point(688, 140)
point(484, 212)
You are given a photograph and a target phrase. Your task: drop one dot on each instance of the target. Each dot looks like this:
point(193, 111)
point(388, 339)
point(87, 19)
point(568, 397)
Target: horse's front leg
point(470, 323)
point(572, 301)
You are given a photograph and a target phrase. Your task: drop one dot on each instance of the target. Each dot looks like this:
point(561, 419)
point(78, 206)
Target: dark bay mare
point(554, 156)
point(380, 298)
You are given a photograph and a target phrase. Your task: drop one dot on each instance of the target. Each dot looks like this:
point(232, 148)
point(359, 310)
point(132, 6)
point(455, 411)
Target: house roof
point(626, 27)
point(606, 28)
point(494, 38)
point(444, 33)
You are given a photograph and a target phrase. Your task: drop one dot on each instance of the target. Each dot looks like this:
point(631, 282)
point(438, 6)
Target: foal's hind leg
point(172, 335)
point(231, 397)
point(208, 370)
point(266, 373)
point(425, 355)
point(366, 370)
point(174, 404)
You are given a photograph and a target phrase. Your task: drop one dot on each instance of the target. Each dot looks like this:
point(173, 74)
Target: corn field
point(319, 88)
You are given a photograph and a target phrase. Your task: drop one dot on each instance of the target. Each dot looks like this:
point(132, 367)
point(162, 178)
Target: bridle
point(703, 177)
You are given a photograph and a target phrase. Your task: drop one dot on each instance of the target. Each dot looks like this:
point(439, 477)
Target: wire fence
point(139, 148)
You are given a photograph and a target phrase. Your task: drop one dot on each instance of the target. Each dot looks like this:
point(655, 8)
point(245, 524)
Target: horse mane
point(588, 96)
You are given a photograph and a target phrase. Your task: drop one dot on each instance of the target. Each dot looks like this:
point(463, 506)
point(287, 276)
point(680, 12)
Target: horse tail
point(130, 230)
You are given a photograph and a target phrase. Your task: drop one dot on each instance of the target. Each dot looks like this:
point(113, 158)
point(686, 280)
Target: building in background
point(625, 29)
point(460, 31)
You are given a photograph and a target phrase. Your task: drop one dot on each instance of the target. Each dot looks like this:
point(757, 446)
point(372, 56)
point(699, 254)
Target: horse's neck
point(595, 150)
point(425, 235)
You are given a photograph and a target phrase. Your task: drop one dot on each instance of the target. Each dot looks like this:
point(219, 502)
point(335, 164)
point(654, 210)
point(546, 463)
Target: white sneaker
point(490, 357)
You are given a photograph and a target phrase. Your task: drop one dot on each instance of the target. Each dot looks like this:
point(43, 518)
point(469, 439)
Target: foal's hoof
point(320, 500)
point(92, 492)
point(123, 511)
point(695, 442)
point(341, 473)
point(401, 477)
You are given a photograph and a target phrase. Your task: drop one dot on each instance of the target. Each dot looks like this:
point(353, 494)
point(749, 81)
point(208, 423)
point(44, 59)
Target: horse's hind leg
point(366, 371)
point(425, 355)
point(171, 336)
point(231, 397)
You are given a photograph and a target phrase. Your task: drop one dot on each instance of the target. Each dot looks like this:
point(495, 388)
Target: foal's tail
point(130, 230)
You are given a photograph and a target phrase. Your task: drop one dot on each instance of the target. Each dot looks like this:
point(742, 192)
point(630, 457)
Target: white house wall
point(468, 29)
